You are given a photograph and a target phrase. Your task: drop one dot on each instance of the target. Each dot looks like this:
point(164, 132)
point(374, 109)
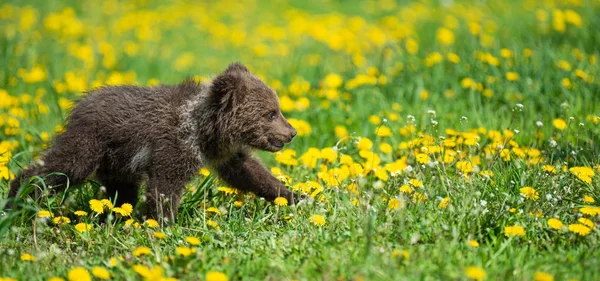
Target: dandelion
point(97, 206)
point(317, 220)
point(280, 201)
point(61, 220)
point(44, 214)
point(83, 227)
point(406, 189)
point(444, 203)
point(383, 131)
point(579, 229)
point(588, 199)
point(228, 190)
point(511, 231)
point(423, 158)
point(475, 273)
point(393, 204)
point(192, 240)
point(543, 276)
point(27, 257)
point(559, 124)
point(213, 210)
point(583, 173)
point(140, 251)
point(184, 251)
point(159, 235)
point(79, 274)
point(473, 243)
point(555, 223)
point(529, 193)
point(512, 76)
point(55, 278)
point(586, 222)
point(152, 223)
point(445, 36)
point(80, 213)
point(100, 273)
point(590, 210)
point(416, 182)
point(405, 255)
point(215, 276)
point(213, 224)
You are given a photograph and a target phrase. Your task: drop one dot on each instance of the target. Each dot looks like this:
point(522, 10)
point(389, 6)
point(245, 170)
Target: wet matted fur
point(164, 134)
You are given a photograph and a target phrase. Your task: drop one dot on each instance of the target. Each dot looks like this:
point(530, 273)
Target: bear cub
point(163, 135)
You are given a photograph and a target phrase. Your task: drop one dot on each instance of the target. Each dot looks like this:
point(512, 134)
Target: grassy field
point(438, 140)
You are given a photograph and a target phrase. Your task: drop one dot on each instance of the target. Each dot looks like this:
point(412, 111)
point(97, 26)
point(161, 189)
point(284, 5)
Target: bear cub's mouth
point(276, 143)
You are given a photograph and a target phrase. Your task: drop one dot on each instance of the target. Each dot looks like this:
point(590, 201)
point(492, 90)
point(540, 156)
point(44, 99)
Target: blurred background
point(338, 66)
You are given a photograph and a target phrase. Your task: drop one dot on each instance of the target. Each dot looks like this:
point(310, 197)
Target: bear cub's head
point(249, 110)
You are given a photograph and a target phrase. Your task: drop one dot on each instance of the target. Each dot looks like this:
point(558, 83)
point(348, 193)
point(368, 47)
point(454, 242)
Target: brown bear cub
point(165, 134)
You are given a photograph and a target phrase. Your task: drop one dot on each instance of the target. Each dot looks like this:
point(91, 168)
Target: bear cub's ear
point(229, 85)
point(236, 67)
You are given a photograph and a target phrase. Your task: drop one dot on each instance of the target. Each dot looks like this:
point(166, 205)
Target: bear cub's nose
point(292, 134)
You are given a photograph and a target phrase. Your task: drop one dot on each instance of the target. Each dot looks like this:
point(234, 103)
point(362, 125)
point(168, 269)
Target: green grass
point(373, 231)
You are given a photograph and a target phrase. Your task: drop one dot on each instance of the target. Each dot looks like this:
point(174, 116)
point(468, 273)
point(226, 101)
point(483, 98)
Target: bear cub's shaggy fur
point(164, 134)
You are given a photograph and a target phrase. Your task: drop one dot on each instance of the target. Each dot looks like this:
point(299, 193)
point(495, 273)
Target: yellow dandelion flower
point(317, 220)
point(97, 206)
point(228, 190)
point(393, 204)
point(587, 222)
point(473, 243)
point(100, 273)
point(406, 189)
point(192, 240)
point(238, 203)
point(44, 214)
point(213, 210)
point(385, 148)
point(151, 223)
point(445, 36)
point(280, 201)
point(588, 199)
point(142, 250)
point(416, 183)
point(79, 274)
point(423, 158)
point(579, 229)
point(27, 257)
point(511, 231)
point(559, 123)
point(61, 220)
point(512, 76)
point(543, 276)
point(159, 235)
point(529, 193)
point(590, 210)
point(364, 144)
point(215, 276)
point(83, 227)
point(184, 251)
point(80, 213)
point(555, 223)
point(583, 173)
point(549, 169)
point(127, 208)
point(383, 131)
point(444, 203)
point(213, 223)
point(405, 255)
point(475, 273)
point(56, 278)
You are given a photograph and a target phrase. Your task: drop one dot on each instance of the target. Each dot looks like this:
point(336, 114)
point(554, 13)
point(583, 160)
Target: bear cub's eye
point(272, 115)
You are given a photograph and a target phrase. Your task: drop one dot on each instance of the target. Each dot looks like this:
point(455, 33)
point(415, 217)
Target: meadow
point(437, 140)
